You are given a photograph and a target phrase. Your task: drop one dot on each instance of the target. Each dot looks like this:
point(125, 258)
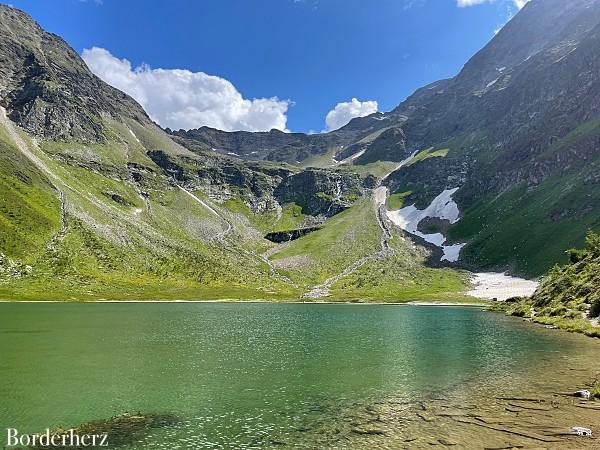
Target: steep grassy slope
point(29, 208)
point(568, 297)
point(575, 283)
point(550, 218)
point(537, 208)
point(343, 239)
point(119, 241)
point(402, 276)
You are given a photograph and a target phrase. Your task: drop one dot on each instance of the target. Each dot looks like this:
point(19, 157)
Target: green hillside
point(568, 297)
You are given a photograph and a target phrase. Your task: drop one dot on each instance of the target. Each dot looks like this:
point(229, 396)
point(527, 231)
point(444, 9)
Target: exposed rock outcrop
point(48, 90)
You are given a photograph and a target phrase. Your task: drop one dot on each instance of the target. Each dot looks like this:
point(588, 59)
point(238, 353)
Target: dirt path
point(229, 229)
point(228, 225)
point(380, 196)
point(64, 226)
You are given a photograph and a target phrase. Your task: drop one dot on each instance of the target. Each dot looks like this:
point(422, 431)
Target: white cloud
point(346, 111)
point(465, 3)
point(177, 98)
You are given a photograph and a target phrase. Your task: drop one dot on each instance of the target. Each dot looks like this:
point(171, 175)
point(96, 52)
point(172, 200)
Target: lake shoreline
point(282, 302)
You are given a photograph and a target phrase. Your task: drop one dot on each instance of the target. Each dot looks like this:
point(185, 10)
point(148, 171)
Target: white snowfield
point(442, 207)
point(500, 286)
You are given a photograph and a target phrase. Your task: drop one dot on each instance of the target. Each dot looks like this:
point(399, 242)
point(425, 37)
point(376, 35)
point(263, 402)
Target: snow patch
point(442, 207)
point(399, 166)
point(452, 252)
point(500, 286)
point(358, 155)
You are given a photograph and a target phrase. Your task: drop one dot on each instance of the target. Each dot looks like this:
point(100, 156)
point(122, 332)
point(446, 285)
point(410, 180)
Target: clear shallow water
point(263, 375)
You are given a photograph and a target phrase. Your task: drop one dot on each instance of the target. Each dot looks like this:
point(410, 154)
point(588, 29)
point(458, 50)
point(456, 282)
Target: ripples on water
point(304, 376)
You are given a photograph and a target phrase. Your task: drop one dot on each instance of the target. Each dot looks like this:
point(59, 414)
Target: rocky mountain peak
point(48, 90)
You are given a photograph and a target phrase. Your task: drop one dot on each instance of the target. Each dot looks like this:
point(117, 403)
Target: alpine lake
point(307, 376)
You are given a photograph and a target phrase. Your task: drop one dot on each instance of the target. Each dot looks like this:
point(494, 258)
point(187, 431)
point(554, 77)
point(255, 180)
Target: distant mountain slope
point(294, 148)
point(521, 123)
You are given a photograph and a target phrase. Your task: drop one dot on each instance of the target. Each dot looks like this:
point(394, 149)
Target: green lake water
point(268, 375)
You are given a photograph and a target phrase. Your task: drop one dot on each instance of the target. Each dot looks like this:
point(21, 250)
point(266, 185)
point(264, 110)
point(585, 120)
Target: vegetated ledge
point(290, 235)
point(569, 297)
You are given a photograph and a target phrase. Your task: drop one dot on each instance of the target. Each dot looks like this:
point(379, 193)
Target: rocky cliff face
point(48, 90)
point(320, 192)
point(264, 188)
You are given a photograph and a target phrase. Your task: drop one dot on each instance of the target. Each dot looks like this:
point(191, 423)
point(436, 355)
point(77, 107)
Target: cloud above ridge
point(179, 98)
point(466, 3)
point(346, 111)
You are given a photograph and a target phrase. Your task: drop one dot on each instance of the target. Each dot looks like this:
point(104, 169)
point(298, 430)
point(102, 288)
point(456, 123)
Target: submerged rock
point(120, 430)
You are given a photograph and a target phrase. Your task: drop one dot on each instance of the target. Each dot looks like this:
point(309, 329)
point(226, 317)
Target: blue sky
point(312, 53)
